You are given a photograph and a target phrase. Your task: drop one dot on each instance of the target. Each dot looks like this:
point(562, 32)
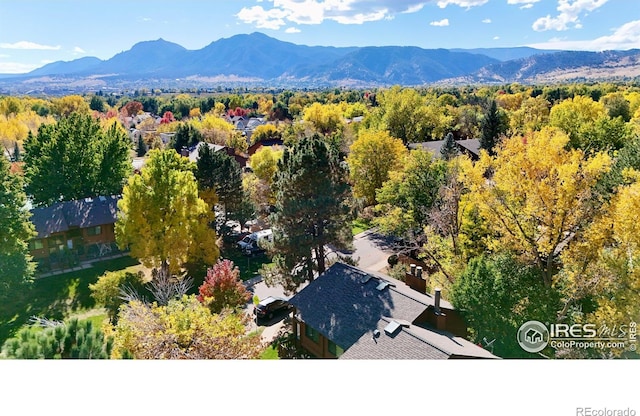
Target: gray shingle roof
point(413, 343)
point(82, 213)
point(342, 308)
point(345, 306)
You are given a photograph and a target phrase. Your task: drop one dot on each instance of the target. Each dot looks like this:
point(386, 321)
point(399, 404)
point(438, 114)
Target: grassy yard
point(59, 297)
point(359, 225)
point(248, 265)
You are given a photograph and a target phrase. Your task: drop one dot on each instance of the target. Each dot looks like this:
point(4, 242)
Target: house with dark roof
point(348, 313)
point(469, 147)
point(70, 231)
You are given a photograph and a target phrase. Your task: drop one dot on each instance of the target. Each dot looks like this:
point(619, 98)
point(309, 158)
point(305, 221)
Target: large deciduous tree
point(162, 219)
point(311, 210)
point(371, 157)
point(16, 267)
point(404, 201)
point(76, 158)
point(539, 196)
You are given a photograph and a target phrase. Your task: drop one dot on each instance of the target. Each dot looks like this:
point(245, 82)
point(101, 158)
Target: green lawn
point(248, 265)
point(58, 297)
point(359, 225)
point(271, 353)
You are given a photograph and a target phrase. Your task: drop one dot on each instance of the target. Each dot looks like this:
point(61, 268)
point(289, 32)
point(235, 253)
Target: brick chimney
point(415, 280)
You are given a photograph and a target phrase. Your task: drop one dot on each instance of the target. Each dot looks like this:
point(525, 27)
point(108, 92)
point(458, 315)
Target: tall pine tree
point(491, 128)
point(449, 150)
point(311, 211)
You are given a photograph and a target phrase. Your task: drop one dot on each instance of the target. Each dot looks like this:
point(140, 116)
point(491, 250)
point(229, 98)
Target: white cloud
point(261, 18)
point(16, 68)
point(467, 4)
point(570, 11)
point(626, 36)
point(28, 45)
point(496, 37)
point(522, 1)
point(292, 30)
point(78, 49)
point(527, 6)
point(312, 12)
point(443, 22)
point(486, 21)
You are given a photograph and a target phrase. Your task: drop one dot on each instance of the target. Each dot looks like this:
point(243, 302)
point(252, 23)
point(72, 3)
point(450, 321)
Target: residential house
point(74, 230)
point(348, 313)
point(469, 147)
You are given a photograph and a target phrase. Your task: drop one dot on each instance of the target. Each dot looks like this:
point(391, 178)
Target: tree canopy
point(76, 158)
point(310, 211)
point(162, 220)
point(16, 267)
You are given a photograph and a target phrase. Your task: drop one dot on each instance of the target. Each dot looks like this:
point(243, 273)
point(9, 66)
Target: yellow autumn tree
point(605, 264)
point(182, 329)
point(371, 157)
point(326, 118)
point(162, 220)
point(535, 195)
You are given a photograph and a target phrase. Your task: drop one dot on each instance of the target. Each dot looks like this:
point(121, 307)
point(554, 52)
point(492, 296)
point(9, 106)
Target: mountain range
point(257, 59)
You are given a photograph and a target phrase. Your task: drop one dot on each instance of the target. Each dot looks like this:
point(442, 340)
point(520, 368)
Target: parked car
point(267, 307)
point(255, 243)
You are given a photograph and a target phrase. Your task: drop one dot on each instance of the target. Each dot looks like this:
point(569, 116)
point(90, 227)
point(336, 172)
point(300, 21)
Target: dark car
point(271, 305)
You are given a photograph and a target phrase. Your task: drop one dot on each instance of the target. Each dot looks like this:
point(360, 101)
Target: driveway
point(372, 250)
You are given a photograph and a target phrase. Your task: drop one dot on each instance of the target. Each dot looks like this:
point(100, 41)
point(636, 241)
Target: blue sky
point(36, 32)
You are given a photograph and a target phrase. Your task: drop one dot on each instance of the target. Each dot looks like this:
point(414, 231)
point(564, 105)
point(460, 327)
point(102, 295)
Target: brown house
point(348, 313)
point(71, 231)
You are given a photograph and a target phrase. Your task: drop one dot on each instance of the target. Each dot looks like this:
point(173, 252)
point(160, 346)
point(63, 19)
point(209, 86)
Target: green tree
point(97, 104)
point(403, 113)
point(491, 127)
point(186, 136)
point(16, 267)
point(66, 340)
point(449, 149)
point(310, 212)
point(108, 290)
point(497, 295)
point(162, 220)
point(75, 158)
point(141, 150)
point(371, 157)
point(219, 173)
point(404, 201)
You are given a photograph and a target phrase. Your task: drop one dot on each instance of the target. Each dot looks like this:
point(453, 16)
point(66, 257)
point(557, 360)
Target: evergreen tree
point(16, 267)
point(17, 157)
point(142, 147)
point(449, 150)
point(186, 136)
point(70, 340)
point(491, 128)
point(220, 173)
point(311, 211)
